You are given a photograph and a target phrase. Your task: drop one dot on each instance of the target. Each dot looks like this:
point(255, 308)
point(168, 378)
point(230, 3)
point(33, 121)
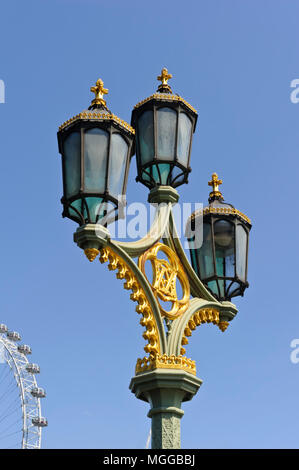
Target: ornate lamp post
point(164, 125)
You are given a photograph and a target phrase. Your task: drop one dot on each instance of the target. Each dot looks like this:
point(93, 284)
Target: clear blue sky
point(234, 61)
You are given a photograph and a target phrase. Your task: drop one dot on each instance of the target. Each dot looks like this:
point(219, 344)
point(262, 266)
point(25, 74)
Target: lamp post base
point(165, 390)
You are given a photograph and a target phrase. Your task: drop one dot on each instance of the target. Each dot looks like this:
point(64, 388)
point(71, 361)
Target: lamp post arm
point(173, 241)
point(146, 288)
point(154, 234)
point(200, 311)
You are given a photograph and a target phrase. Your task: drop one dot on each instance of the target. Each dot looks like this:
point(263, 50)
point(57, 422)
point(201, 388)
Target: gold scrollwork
point(138, 295)
point(165, 275)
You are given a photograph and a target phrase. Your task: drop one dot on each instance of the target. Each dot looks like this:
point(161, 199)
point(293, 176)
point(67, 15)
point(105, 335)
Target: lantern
point(221, 260)
point(96, 147)
point(164, 125)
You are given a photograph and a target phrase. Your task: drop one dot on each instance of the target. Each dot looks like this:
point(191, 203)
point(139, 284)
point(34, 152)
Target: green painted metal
point(165, 390)
point(91, 236)
point(155, 233)
point(165, 194)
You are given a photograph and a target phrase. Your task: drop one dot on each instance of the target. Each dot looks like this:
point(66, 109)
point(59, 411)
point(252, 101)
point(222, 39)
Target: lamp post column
point(165, 390)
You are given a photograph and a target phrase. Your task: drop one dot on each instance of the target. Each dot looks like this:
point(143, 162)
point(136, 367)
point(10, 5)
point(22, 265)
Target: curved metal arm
point(173, 241)
point(154, 234)
point(198, 305)
point(145, 288)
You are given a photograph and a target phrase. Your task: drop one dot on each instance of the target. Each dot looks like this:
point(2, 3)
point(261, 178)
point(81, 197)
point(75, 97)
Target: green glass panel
point(233, 289)
point(117, 164)
point(241, 248)
point(95, 159)
point(194, 260)
point(206, 265)
point(95, 208)
point(166, 128)
point(212, 285)
point(224, 248)
point(184, 138)
point(161, 176)
point(77, 205)
point(146, 136)
point(72, 163)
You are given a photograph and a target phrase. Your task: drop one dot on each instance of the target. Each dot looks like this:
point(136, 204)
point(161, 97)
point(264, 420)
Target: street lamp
point(164, 123)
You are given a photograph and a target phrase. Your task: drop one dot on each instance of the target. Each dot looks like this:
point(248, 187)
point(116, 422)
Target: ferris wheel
point(21, 421)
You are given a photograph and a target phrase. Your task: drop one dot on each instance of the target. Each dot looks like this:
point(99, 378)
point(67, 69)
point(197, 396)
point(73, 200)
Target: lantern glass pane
point(184, 138)
point(72, 163)
point(95, 209)
point(224, 248)
point(117, 164)
point(95, 159)
point(146, 136)
point(213, 286)
point(241, 248)
point(76, 205)
point(206, 264)
point(160, 173)
point(233, 288)
point(193, 258)
point(166, 128)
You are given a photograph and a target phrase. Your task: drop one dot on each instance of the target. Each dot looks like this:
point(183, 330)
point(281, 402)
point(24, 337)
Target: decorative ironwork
point(95, 116)
point(220, 210)
point(206, 315)
point(165, 96)
point(165, 362)
point(165, 275)
point(138, 295)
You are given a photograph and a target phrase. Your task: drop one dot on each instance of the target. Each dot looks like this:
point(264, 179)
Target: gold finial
point(215, 182)
point(99, 91)
point(163, 78)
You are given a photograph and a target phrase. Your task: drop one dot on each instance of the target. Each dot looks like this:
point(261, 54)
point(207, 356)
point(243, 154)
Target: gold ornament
point(91, 253)
point(215, 182)
point(205, 315)
point(165, 362)
point(163, 78)
point(138, 295)
point(99, 92)
point(165, 275)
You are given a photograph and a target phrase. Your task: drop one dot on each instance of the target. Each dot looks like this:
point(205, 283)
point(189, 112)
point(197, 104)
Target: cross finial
point(99, 92)
point(163, 78)
point(215, 182)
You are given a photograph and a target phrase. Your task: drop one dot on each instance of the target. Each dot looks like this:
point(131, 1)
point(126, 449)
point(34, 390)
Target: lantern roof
point(217, 205)
point(98, 111)
point(164, 93)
